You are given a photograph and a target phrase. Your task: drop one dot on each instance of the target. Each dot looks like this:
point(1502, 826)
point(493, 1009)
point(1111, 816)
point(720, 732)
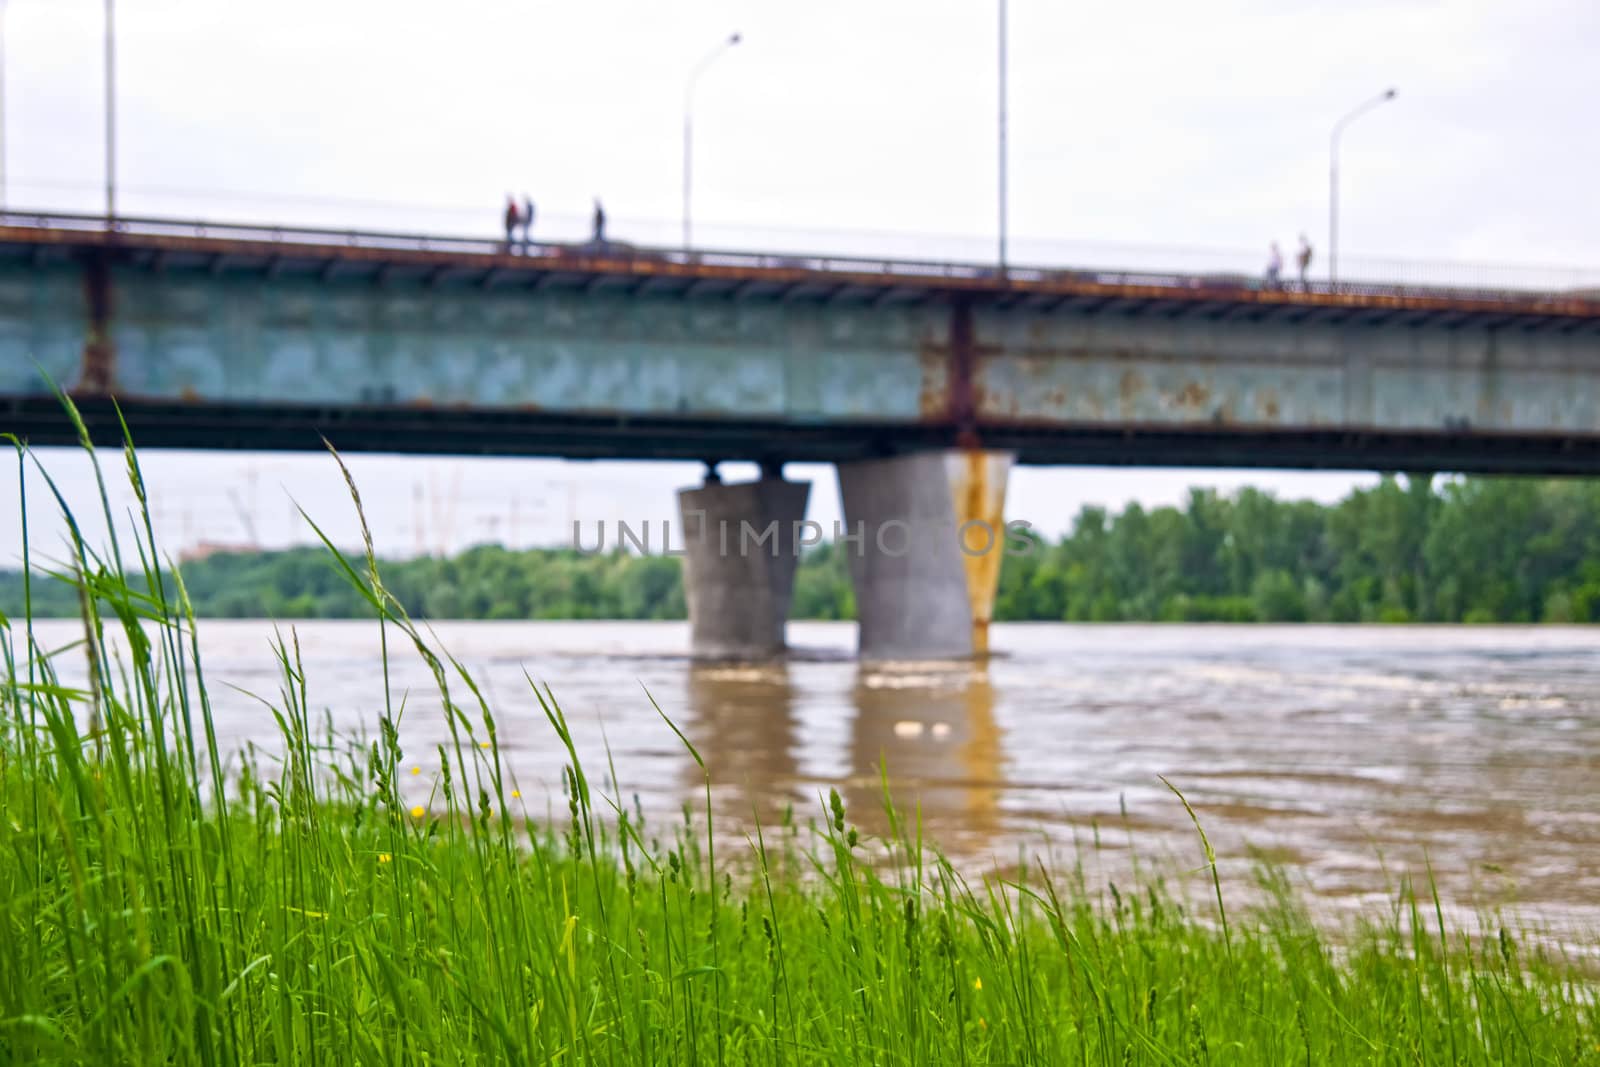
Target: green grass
point(300, 911)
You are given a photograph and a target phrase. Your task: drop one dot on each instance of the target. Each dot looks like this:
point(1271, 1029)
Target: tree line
point(1405, 550)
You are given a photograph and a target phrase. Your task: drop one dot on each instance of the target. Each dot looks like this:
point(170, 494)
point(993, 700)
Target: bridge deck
point(384, 256)
point(242, 336)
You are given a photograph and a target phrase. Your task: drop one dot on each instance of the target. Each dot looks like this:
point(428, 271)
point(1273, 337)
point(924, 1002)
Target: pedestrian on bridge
point(599, 223)
point(527, 223)
point(1303, 257)
point(513, 217)
point(1274, 265)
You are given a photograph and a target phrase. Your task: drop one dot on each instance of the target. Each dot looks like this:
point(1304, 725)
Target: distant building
point(204, 549)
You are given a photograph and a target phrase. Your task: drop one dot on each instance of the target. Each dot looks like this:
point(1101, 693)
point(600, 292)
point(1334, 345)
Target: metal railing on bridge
point(1119, 264)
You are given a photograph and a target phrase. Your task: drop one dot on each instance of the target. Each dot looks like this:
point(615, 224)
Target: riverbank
point(307, 906)
point(1471, 550)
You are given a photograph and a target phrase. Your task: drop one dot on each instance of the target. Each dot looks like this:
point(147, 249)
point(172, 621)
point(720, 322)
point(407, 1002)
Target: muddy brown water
point(1349, 755)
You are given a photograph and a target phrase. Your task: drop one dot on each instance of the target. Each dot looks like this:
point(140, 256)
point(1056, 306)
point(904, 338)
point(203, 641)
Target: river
point(1348, 755)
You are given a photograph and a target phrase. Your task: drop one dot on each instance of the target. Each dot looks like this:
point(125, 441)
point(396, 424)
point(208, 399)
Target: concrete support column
point(739, 563)
point(931, 531)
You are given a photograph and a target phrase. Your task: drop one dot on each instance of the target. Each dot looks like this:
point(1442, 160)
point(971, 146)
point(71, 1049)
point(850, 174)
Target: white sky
point(859, 125)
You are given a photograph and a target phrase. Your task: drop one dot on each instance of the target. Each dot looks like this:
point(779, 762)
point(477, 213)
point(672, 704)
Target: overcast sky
point(854, 125)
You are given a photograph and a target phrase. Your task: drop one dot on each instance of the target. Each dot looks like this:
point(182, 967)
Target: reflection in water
point(742, 722)
point(933, 728)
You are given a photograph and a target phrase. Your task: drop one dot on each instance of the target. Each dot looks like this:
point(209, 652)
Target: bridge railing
point(1124, 265)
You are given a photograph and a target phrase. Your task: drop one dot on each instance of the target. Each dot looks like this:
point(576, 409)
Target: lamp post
point(1333, 179)
point(111, 116)
point(2, 105)
point(1002, 138)
point(688, 127)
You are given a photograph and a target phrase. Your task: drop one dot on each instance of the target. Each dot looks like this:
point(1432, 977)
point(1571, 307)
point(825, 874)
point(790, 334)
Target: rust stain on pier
point(978, 494)
point(97, 370)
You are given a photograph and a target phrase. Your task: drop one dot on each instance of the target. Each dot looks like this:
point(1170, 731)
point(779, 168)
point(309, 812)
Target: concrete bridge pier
point(930, 536)
point(739, 562)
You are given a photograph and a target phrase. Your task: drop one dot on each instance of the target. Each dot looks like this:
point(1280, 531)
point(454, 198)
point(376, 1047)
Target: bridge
point(924, 381)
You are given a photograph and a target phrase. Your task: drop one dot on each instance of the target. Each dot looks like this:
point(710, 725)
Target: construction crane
point(244, 519)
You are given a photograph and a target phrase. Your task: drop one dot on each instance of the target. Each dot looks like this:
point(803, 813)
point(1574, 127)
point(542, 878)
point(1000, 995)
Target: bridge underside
point(41, 421)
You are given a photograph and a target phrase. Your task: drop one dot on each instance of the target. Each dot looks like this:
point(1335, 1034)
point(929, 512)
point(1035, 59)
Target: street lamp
point(2, 105)
point(111, 116)
point(1333, 179)
point(688, 128)
point(1002, 138)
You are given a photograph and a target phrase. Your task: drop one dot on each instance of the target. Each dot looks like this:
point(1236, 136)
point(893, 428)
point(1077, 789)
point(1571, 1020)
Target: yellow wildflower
point(384, 857)
point(417, 812)
point(977, 983)
point(517, 793)
point(416, 770)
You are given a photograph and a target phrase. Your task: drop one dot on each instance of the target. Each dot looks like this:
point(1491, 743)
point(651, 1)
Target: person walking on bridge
point(1303, 258)
point(599, 222)
point(512, 218)
point(1274, 265)
point(527, 223)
